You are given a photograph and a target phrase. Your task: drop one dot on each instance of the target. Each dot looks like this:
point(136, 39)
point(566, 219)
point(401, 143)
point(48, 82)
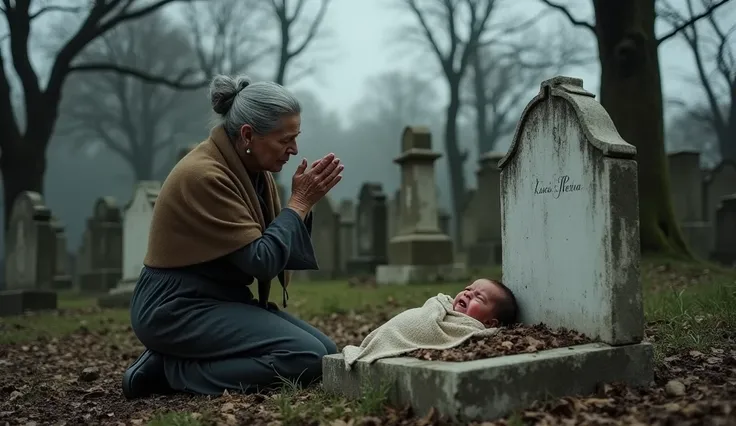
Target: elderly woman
point(217, 227)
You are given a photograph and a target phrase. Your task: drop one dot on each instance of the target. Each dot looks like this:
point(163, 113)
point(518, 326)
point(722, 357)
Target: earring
point(247, 151)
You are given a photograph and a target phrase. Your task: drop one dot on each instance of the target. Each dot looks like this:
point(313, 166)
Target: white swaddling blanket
point(433, 326)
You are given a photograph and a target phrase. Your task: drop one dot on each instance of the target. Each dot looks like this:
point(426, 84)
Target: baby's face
point(478, 301)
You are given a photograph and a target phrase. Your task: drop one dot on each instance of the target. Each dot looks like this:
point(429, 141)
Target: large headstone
point(101, 255)
point(136, 226)
point(570, 235)
point(686, 187)
point(486, 214)
point(371, 230)
point(30, 257)
point(419, 252)
point(725, 248)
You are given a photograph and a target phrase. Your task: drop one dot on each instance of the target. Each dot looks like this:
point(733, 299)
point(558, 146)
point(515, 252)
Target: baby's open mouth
point(462, 304)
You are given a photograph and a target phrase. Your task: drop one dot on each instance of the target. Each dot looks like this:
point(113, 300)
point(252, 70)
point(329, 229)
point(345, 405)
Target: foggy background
point(363, 78)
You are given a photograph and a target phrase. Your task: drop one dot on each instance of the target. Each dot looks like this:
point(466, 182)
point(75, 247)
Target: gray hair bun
point(223, 90)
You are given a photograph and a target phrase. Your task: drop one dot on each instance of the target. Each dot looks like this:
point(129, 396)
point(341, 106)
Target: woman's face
point(271, 151)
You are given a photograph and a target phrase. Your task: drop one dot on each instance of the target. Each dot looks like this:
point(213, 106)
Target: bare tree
point(452, 29)
point(135, 119)
point(690, 129)
point(397, 99)
point(631, 92)
point(503, 77)
point(296, 31)
point(711, 45)
point(23, 160)
point(225, 38)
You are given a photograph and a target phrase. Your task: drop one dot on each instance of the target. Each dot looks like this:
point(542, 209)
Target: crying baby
point(488, 301)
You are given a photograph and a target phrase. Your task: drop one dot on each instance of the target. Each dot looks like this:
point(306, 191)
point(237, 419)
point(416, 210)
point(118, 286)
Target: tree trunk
point(481, 105)
point(455, 159)
point(23, 165)
point(727, 140)
point(631, 92)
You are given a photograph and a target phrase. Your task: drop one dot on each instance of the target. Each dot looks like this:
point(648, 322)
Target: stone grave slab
point(101, 255)
point(570, 238)
point(370, 231)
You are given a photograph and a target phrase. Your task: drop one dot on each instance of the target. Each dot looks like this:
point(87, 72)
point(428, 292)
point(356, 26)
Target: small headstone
point(420, 252)
point(30, 257)
point(136, 226)
point(62, 271)
point(371, 230)
point(485, 251)
point(326, 241)
point(725, 249)
point(347, 234)
point(719, 182)
point(686, 187)
point(101, 255)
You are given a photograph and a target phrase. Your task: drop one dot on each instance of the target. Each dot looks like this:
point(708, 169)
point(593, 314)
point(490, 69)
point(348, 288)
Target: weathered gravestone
point(686, 187)
point(420, 252)
point(62, 272)
point(486, 214)
point(725, 248)
point(347, 234)
point(30, 257)
point(101, 255)
point(371, 230)
point(719, 182)
point(326, 240)
point(136, 226)
point(570, 253)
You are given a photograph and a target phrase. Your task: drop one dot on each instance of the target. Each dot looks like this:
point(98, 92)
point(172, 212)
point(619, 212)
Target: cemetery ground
point(65, 367)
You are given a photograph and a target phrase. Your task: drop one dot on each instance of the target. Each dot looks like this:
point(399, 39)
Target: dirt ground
point(76, 380)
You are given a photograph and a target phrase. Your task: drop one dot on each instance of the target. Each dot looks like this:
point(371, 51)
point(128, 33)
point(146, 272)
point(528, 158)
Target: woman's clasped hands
point(309, 186)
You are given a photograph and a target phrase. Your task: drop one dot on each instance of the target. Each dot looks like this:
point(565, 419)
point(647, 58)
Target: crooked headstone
point(371, 230)
point(686, 187)
point(30, 257)
point(420, 252)
point(570, 237)
point(486, 214)
point(101, 255)
point(725, 247)
point(136, 226)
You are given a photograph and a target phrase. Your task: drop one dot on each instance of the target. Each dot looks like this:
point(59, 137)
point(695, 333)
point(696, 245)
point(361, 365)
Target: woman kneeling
point(217, 227)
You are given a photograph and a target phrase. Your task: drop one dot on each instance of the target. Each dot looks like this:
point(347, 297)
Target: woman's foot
point(145, 376)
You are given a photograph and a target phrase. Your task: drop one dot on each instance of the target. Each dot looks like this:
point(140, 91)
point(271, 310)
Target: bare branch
point(48, 9)
point(692, 20)
point(141, 75)
point(568, 14)
point(313, 27)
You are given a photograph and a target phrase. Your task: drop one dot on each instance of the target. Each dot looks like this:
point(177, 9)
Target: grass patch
point(182, 419)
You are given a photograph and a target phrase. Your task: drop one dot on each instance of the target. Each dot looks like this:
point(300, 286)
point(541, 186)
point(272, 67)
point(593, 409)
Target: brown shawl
point(208, 208)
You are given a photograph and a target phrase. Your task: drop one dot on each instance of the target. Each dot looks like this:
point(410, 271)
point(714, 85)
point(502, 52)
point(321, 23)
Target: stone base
point(420, 249)
point(699, 237)
point(64, 282)
point(118, 297)
point(487, 389)
point(15, 302)
point(99, 281)
point(419, 274)
point(484, 254)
